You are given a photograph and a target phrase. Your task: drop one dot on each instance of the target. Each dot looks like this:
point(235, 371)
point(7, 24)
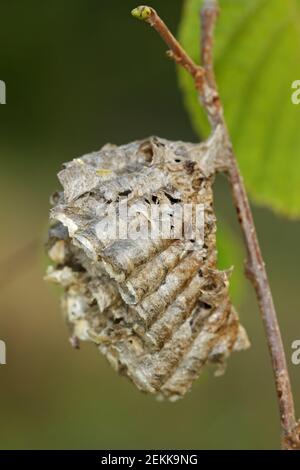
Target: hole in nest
point(147, 150)
point(78, 268)
point(204, 305)
point(125, 193)
point(172, 199)
point(210, 287)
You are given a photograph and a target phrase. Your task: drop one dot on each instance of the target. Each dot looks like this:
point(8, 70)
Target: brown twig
point(255, 269)
point(176, 50)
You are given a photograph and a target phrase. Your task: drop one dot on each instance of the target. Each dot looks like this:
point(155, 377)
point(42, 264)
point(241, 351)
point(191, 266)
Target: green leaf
point(257, 58)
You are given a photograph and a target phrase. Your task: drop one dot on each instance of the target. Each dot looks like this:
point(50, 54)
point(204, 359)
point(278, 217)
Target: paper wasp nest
point(157, 308)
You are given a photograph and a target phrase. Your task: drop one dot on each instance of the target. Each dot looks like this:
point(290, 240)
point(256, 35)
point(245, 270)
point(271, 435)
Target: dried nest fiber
point(158, 309)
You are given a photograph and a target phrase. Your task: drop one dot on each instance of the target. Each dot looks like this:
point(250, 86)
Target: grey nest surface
point(157, 308)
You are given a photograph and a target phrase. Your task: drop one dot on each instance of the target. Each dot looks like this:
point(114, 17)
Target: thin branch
point(208, 17)
point(255, 268)
point(176, 52)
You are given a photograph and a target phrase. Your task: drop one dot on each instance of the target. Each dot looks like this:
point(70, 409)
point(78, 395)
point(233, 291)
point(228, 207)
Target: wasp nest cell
point(157, 307)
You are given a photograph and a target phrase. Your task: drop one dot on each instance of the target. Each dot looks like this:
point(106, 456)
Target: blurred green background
point(78, 75)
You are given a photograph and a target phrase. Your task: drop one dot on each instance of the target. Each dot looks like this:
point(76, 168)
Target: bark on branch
point(206, 86)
